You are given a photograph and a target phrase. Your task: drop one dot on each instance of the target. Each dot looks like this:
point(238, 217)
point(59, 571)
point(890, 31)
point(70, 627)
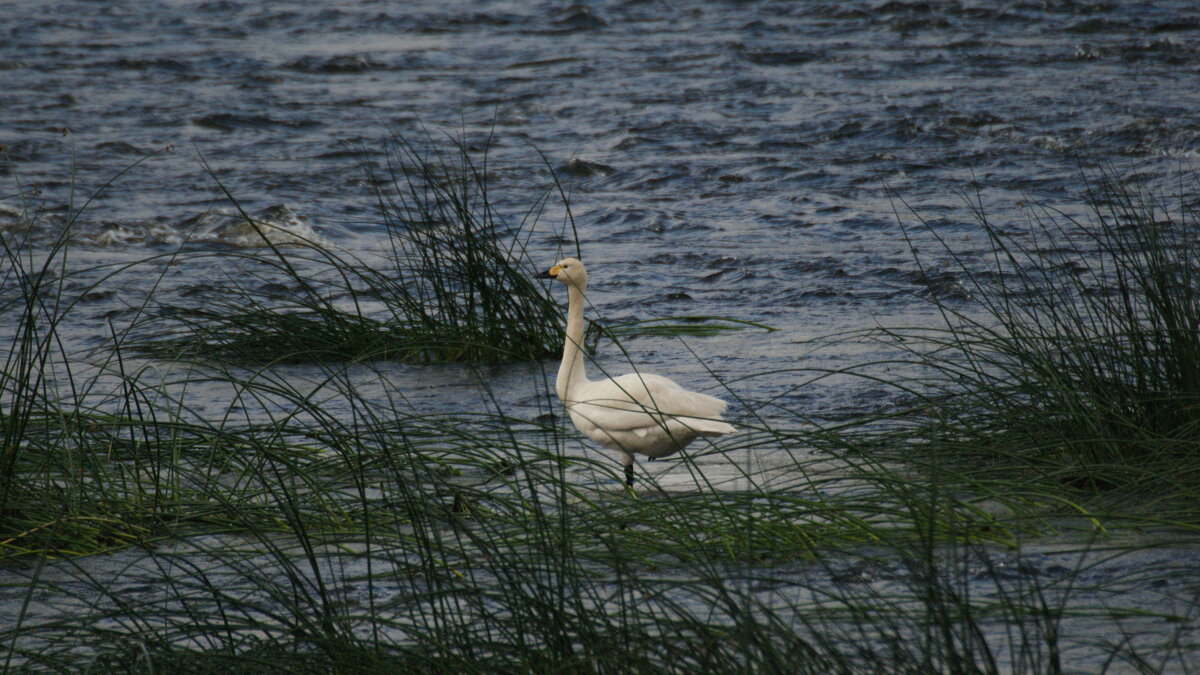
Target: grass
point(309, 519)
point(1077, 364)
point(453, 283)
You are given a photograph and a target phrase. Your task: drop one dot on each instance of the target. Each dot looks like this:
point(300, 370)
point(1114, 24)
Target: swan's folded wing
point(638, 400)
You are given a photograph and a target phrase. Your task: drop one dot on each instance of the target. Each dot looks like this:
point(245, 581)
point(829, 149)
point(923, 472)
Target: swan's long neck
point(570, 372)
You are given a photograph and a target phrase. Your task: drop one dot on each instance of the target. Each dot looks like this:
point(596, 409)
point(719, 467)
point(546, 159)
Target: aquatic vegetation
point(452, 284)
point(310, 519)
point(1076, 363)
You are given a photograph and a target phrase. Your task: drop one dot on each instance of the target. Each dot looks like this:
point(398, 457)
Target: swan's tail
point(703, 427)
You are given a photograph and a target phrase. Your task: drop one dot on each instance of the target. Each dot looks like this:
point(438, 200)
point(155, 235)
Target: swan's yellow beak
point(552, 274)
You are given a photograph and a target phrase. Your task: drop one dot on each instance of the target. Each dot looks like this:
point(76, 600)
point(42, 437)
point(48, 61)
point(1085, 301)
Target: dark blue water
point(731, 158)
point(759, 132)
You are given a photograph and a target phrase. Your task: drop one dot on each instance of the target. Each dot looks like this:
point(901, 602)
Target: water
point(728, 158)
point(1090, 595)
point(736, 157)
point(762, 134)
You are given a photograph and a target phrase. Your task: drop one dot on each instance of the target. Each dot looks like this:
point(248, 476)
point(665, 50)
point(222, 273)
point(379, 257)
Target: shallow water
point(1090, 600)
point(723, 158)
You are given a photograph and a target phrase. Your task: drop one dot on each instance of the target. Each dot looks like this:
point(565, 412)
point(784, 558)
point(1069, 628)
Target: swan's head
point(569, 271)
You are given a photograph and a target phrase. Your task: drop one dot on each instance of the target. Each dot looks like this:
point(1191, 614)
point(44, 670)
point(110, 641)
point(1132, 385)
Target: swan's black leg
point(629, 484)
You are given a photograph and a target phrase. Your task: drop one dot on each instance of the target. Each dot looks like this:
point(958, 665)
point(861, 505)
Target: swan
point(636, 413)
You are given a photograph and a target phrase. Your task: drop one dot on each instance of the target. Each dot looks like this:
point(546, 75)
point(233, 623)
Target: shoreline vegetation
point(319, 523)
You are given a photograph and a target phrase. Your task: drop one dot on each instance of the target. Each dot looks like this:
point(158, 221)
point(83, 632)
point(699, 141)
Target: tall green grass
point(310, 520)
point(453, 283)
point(1076, 363)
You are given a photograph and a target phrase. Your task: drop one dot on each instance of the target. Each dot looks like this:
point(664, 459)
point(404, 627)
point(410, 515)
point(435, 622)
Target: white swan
point(634, 413)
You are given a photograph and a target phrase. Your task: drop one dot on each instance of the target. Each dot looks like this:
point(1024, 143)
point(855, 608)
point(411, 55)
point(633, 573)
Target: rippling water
point(738, 136)
point(729, 158)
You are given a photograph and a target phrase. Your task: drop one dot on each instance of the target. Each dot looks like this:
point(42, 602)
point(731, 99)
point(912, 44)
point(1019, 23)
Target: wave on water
point(277, 225)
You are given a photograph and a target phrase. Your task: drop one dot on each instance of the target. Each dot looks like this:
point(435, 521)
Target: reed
point(1076, 365)
point(313, 521)
point(454, 279)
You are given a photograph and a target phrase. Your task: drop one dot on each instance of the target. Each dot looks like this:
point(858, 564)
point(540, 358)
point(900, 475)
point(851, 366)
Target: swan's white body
point(636, 413)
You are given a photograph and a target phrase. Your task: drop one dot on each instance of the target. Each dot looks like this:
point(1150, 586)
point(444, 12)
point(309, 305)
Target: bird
point(637, 413)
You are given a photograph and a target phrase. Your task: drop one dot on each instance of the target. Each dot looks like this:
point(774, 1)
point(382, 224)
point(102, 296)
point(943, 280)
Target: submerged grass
point(310, 520)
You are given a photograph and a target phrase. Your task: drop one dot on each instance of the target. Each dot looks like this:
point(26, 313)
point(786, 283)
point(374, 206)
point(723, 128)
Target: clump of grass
point(281, 308)
point(454, 282)
point(314, 522)
point(459, 270)
point(1076, 361)
point(49, 496)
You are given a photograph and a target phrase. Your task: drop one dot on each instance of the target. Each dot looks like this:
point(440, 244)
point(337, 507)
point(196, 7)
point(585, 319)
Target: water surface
point(728, 158)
